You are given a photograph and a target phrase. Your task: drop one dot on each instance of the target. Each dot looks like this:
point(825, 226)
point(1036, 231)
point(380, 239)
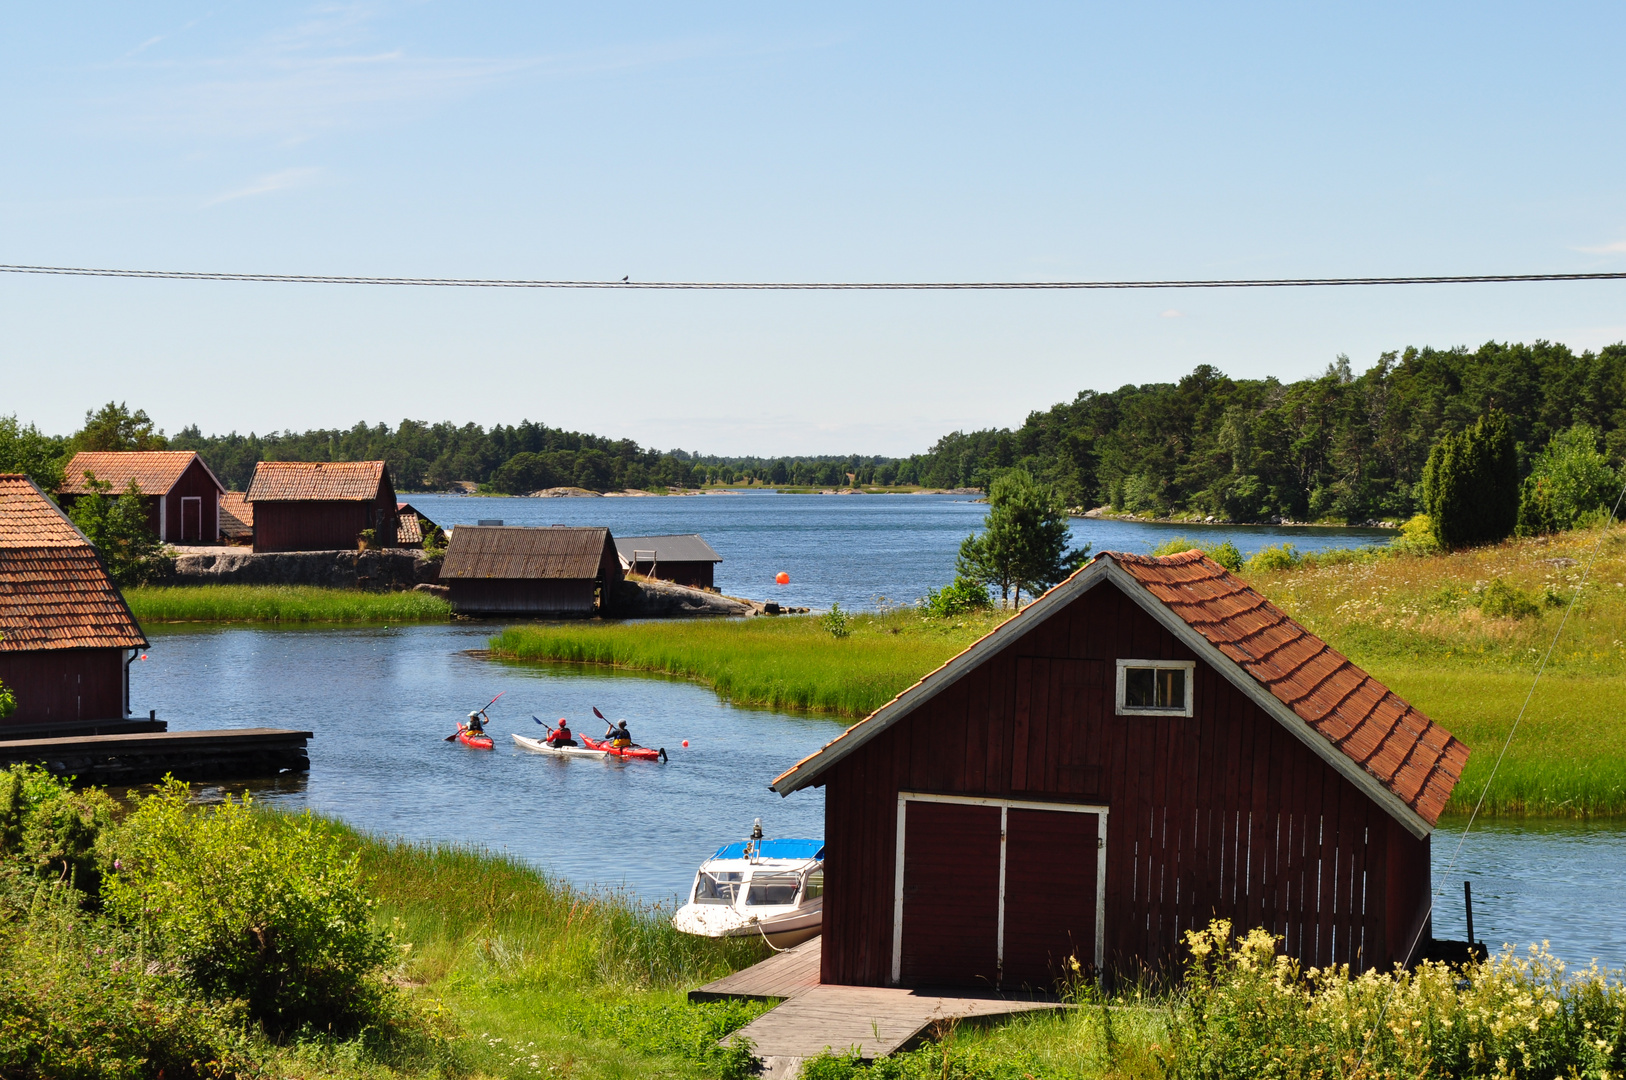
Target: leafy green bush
point(8, 701)
point(1416, 538)
point(1224, 553)
point(1278, 557)
point(959, 596)
point(1250, 1013)
point(117, 526)
point(1499, 600)
point(835, 621)
point(51, 829)
point(266, 908)
point(1569, 482)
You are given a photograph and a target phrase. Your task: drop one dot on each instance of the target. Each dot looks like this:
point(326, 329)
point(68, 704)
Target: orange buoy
point(685, 742)
point(782, 577)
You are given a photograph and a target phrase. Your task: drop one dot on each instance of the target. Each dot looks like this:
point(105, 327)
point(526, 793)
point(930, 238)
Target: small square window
point(1155, 687)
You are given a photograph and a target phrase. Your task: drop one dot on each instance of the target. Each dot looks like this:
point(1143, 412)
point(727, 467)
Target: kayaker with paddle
point(619, 736)
point(561, 736)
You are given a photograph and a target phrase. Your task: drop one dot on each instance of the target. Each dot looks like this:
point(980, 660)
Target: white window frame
point(1188, 666)
point(1005, 806)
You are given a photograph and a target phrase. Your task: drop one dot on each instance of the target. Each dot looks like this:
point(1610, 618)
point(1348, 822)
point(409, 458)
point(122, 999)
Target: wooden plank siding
point(1224, 814)
point(64, 685)
point(321, 525)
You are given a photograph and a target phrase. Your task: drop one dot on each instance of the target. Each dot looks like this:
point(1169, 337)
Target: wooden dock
point(873, 1021)
point(782, 975)
point(231, 753)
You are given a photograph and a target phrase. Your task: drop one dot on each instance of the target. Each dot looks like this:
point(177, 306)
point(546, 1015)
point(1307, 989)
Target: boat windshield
point(773, 890)
point(815, 884)
point(717, 888)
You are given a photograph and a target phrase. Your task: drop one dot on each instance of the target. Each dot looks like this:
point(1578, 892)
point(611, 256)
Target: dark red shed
point(183, 496)
point(514, 570)
point(1150, 745)
point(321, 505)
point(66, 636)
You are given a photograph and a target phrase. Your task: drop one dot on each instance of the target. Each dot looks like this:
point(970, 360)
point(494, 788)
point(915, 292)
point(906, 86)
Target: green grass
point(788, 662)
point(1415, 624)
point(280, 604)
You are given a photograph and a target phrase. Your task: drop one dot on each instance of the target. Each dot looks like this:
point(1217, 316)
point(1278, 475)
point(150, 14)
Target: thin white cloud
point(277, 181)
point(1616, 248)
point(1172, 313)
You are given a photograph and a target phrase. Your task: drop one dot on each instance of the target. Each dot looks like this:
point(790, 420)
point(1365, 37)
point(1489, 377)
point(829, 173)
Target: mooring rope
point(1484, 792)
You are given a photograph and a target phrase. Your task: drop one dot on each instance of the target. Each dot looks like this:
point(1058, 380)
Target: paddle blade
point(538, 719)
point(600, 715)
point(451, 738)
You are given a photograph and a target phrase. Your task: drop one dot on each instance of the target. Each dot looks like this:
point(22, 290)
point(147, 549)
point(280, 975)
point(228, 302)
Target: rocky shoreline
point(1106, 513)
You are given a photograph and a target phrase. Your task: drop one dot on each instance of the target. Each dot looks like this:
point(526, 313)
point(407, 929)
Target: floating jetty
point(143, 756)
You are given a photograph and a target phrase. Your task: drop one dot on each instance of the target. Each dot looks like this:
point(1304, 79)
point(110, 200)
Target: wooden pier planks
point(188, 755)
point(874, 1021)
point(782, 975)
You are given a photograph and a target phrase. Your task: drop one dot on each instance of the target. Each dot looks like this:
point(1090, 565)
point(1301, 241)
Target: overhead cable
point(924, 286)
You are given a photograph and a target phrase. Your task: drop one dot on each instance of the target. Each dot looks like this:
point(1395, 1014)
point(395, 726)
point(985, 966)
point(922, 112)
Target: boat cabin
point(770, 887)
point(1149, 746)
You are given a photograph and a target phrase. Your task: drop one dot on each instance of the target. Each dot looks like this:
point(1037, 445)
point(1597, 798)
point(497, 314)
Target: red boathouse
point(321, 505)
point(1150, 745)
point(66, 636)
point(182, 495)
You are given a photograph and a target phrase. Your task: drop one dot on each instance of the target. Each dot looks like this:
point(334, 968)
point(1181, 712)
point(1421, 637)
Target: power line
point(923, 286)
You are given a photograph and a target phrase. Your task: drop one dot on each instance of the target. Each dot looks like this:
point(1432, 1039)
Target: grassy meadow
point(788, 662)
point(1460, 636)
point(280, 604)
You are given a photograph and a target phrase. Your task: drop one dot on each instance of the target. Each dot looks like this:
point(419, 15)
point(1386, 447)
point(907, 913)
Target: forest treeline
point(1339, 447)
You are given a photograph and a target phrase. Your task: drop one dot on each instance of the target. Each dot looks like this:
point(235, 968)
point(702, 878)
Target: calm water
point(847, 549)
point(381, 700)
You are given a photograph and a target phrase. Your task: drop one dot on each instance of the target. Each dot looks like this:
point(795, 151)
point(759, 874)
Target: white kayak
point(540, 747)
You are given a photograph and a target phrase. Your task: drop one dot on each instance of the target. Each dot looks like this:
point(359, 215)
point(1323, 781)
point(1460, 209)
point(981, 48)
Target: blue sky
point(759, 142)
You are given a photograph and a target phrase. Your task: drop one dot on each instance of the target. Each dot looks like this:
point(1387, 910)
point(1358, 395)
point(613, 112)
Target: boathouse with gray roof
point(1149, 746)
point(515, 570)
point(684, 559)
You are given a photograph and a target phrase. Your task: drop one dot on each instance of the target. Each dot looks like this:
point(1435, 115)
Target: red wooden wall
point(64, 685)
point(697, 575)
point(318, 525)
point(195, 482)
point(502, 596)
point(1223, 814)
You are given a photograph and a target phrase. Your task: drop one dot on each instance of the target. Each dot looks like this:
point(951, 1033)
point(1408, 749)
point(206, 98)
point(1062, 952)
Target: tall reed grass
point(785, 662)
point(280, 604)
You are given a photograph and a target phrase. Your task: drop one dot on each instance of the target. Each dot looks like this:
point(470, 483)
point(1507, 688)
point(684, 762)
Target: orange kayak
point(641, 753)
point(474, 740)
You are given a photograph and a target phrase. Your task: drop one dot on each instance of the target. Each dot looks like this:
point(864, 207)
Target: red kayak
point(474, 740)
point(642, 753)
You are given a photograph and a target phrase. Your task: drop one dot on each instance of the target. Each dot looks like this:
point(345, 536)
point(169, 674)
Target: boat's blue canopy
point(774, 849)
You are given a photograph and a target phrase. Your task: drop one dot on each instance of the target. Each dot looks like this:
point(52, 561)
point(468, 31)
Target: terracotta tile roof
point(513, 552)
point(236, 514)
point(154, 471)
point(407, 529)
point(1410, 755)
point(348, 481)
point(54, 591)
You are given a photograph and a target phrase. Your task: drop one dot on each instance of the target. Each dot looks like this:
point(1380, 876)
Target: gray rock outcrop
point(663, 600)
point(379, 571)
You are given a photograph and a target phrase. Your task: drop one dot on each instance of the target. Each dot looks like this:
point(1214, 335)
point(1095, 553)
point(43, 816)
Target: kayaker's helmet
point(474, 716)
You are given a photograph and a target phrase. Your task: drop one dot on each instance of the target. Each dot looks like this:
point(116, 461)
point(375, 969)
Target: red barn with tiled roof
point(1150, 745)
point(321, 505)
point(66, 636)
point(183, 496)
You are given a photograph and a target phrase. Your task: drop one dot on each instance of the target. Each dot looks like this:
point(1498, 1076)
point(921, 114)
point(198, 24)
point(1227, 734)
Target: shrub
point(263, 908)
point(1249, 1013)
point(1569, 482)
point(1499, 600)
point(1278, 557)
point(835, 621)
point(1416, 538)
point(8, 701)
point(1471, 484)
point(117, 526)
point(51, 829)
point(1224, 553)
point(959, 596)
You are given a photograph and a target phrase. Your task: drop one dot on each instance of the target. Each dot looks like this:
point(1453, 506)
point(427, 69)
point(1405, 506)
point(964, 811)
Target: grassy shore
point(1460, 636)
point(281, 604)
point(786, 662)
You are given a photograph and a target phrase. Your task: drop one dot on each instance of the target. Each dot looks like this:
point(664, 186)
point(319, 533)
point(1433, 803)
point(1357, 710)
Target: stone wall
point(379, 571)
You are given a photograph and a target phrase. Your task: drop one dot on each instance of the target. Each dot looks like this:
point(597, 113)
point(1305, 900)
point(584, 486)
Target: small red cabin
point(1149, 746)
point(183, 496)
point(66, 636)
point(321, 505)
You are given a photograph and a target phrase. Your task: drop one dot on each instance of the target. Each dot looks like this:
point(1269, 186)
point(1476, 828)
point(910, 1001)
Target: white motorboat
point(771, 888)
point(537, 746)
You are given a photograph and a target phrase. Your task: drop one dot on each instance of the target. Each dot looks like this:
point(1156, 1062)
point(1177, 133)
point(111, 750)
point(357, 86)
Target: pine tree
point(1025, 544)
point(1471, 484)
